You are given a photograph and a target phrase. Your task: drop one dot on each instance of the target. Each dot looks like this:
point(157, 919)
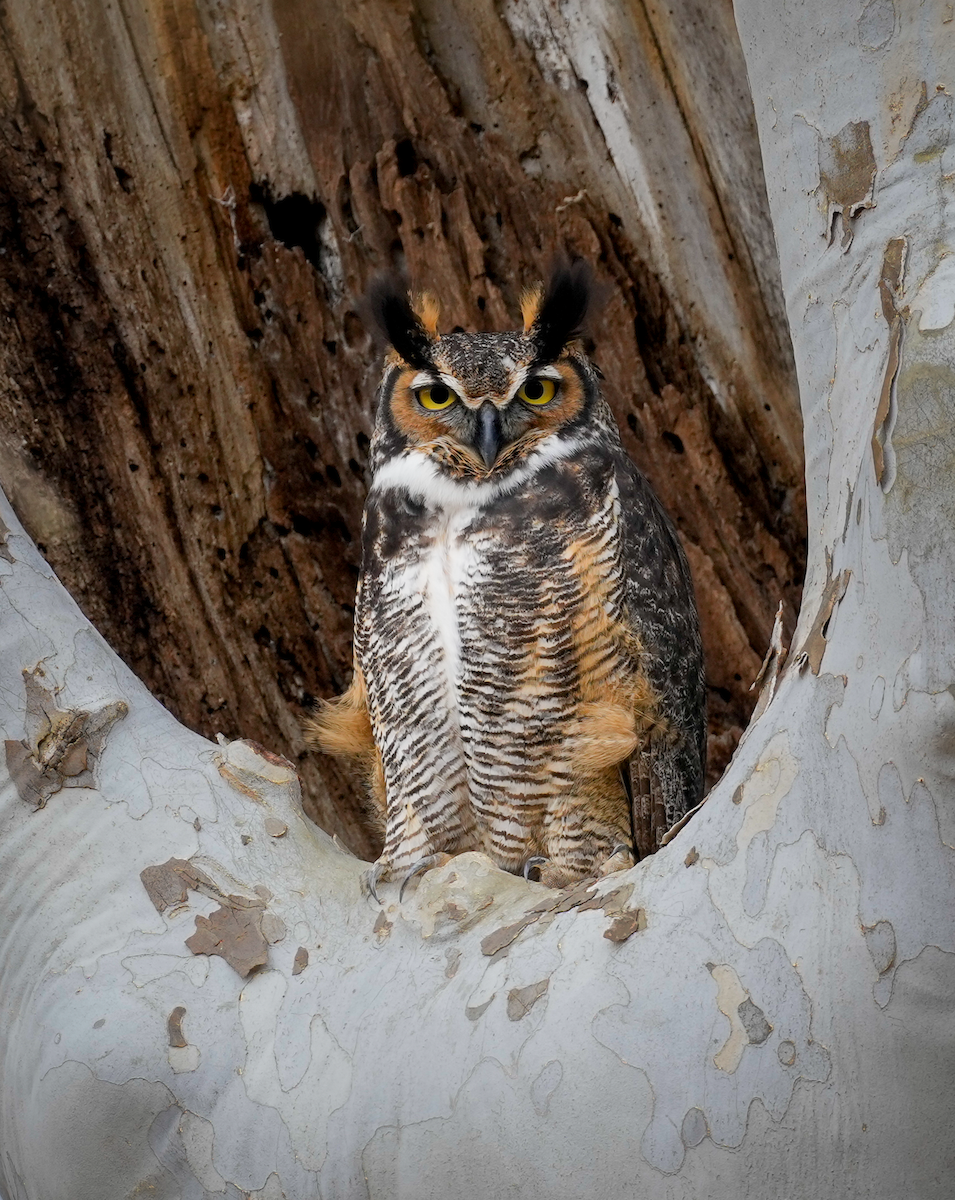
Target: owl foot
point(532, 868)
point(621, 858)
point(423, 864)
point(370, 880)
point(541, 869)
point(553, 876)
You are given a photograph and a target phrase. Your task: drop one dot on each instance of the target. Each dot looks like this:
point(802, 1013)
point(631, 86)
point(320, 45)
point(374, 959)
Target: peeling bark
point(61, 748)
point(779, 1023)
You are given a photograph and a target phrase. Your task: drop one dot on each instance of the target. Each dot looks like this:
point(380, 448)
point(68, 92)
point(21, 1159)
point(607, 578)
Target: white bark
point(782, 1026)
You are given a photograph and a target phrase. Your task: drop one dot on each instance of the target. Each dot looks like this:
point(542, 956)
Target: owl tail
point(342, 726)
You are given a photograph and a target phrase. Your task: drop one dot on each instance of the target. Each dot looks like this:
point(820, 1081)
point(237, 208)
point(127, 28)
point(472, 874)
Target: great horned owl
point(528, 670)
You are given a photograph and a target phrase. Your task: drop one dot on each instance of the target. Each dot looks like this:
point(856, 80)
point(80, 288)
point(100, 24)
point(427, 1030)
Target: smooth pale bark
point(782, 1026)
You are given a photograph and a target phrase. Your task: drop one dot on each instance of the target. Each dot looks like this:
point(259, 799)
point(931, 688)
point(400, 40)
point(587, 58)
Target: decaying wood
point(762, 1008)
point(193, 194)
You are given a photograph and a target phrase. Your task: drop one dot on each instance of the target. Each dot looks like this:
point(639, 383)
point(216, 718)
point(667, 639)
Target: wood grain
point(192, 196)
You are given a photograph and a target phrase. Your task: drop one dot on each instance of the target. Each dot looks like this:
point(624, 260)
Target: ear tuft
point(563, 307)
point(428, 310)
point(388, 313)
point(531, 305)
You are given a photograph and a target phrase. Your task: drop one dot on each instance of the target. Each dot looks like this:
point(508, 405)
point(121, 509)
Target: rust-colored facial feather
point(446, 434)
point(566, 405)
point(460, 462)
point(490, 422)
point(417, 425)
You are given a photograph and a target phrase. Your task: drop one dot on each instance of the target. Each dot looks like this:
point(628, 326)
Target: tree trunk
point(762, 1008)
point(193, 194)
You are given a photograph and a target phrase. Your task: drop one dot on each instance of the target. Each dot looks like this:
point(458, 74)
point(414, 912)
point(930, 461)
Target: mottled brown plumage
point(528, 672)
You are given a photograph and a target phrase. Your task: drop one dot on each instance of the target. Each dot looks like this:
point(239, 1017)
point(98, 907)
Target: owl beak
point(489, 437)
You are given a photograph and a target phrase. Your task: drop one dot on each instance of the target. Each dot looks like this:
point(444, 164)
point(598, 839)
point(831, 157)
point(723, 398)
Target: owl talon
point(422, 865)
point(609, 867)
point(371, 879)
point(534, 864)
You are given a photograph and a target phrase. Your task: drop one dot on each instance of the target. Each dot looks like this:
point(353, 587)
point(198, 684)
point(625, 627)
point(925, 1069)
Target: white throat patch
point(420, 476)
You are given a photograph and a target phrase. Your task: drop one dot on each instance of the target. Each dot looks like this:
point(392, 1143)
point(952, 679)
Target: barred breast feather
point(528, 671)
point(504, 683)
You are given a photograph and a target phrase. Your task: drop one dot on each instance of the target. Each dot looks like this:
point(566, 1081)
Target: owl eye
point(538, 391)
point(436, 397)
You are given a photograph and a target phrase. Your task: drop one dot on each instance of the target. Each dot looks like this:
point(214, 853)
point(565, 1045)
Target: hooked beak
point(489, 438)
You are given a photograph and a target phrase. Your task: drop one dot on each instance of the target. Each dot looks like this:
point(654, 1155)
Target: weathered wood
point(191, 196)
point(777, 1018)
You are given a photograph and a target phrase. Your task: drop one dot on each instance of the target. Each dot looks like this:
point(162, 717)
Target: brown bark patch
point(520, 1001)
point(814, 646)
point(234, 934)
point(890, 284)
point(167, 883)
point(473, 1012)
point(382, 927)
point(583, 897)
point(273, 928)
point(238, 931)
point(626, 925)
point(503, 937)
point(174, 1028)
point(62, 746)
point(613, 903)
point(5, 552)
point(846, 176)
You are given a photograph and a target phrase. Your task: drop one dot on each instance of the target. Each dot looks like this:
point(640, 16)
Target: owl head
point(475, 405)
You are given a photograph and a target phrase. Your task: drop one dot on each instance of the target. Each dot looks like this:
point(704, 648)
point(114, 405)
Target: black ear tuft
point(388, 312)
point(564, 307)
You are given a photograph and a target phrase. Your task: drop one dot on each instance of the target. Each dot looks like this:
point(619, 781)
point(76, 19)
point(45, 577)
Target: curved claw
point(423, 864)
point(371, 879)
point(610, 867)
point(534, 864)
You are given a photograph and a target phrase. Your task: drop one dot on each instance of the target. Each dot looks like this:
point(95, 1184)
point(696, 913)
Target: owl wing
point(665, 775)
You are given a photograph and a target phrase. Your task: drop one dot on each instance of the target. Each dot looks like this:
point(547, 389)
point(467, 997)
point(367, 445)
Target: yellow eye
point(538, 391)
point(436, 397)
